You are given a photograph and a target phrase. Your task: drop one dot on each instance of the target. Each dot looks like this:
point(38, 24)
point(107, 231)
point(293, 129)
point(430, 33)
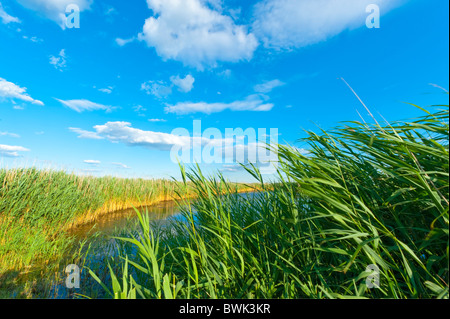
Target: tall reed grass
point(38, 207)
point(366, 196)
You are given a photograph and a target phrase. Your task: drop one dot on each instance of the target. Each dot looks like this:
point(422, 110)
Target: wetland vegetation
point(364, 194)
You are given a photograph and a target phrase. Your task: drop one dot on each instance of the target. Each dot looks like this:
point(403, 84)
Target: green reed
point(364, 195)
point(38, 207)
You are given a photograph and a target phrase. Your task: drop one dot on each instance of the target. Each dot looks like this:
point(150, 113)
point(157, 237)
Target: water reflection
point(101, 247)
point(115, 222)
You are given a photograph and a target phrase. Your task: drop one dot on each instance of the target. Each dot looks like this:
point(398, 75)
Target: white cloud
point(228, 149)
point(121, 165)
point(60, 61)
point(85, 134)
point(92, 162)
point(110, 10)
point(225, 73)
point(254, 102)
point(266, 87)
point(6, 18)
point(107, 90)
point(12, 151)
point(195, 34)
point(122, 42)
point(157, 120)
point(9, 134)
point(289, 24)
point(84, 105)
point(55, 10)
point(123, 132)
point(158, 89)
point(184, 85)
point(33, 39)
point(231, 168)
point(161, 89)
point(139, 109)
point(10, 90)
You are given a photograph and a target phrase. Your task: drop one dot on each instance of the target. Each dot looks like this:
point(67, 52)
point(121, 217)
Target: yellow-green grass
point(37, 207)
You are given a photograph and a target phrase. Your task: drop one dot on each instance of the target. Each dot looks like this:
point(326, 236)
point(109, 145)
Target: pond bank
point(114, 207)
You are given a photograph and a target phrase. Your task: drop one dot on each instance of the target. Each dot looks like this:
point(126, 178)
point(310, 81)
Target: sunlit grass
point(38, 207)
point(365, 194)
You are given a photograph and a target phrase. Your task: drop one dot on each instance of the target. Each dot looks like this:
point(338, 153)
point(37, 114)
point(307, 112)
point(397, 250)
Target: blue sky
point(104, 98)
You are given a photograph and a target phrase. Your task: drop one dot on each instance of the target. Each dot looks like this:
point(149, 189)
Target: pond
point(99, 248)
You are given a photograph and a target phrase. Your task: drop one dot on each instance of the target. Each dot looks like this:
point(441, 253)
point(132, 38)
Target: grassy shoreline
point(365, 197)
point(39, 208)
point(113, 207)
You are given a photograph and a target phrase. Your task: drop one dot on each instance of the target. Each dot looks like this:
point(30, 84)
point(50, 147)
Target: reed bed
point(366, 197)
point(38, 207)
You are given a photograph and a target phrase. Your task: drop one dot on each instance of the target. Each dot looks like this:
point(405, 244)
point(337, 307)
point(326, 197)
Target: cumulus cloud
point(107, 90)
point(266, 87)
point(12, 151)
point(195, 33)
point(55, 10)
point(33, 39)
point(213, 146)
point(158, 89)
point(157, 120)
point(122, 42)
point(12, 91)
point(184, 85)
point(161, 89)
point(59, 61)
point(139, 109)
point(85, 134)
point(255, 102)
point(92, 162)
point(84, 105)
point(122, 132)
point(6, 18)
point(290, 24)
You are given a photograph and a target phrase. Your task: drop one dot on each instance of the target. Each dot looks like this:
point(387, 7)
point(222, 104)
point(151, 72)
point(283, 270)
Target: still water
point(100, 247)
point(103, 247)
point(115, 222)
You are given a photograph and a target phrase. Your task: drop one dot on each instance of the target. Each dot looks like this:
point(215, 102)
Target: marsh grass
point(365, 194)
point(39, 207)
